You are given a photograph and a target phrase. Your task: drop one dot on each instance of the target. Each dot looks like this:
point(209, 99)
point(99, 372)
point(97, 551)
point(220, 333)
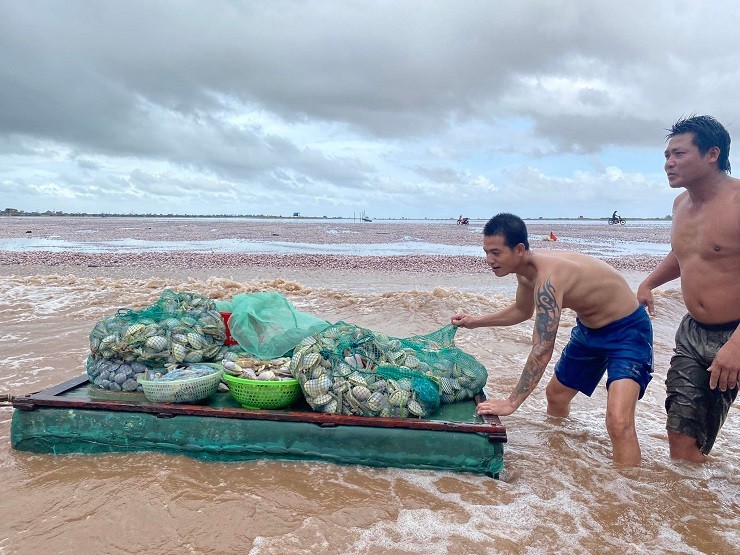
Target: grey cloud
point(88, 164)
point(163, 84)
point(583, 135)
point(389, 69)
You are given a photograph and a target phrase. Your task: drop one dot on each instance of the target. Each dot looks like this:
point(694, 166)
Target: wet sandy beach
point(572, 237)
point(559, 491)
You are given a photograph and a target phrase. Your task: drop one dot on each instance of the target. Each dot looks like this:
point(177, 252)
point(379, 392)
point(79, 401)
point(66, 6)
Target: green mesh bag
point(347, 369)
point(178, 328)
point(267, 325)
point(459, 375)
point(440, 339)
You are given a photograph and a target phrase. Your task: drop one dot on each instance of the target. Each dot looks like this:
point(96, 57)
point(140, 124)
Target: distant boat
point(366, 219)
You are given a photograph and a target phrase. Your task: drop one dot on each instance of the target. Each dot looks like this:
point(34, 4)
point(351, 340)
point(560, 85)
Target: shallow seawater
point(559, 492)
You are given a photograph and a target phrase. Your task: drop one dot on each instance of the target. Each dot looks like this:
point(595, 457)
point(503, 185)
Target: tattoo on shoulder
point(547, 312)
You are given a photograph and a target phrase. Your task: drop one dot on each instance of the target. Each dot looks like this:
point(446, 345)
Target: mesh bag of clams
point(179, 328)
point(347, 369)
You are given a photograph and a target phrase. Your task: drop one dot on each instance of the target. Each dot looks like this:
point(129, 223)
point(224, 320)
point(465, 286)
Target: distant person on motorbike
point(616, 218)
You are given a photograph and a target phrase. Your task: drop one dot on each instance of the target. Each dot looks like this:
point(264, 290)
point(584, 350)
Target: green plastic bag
point(267, 325)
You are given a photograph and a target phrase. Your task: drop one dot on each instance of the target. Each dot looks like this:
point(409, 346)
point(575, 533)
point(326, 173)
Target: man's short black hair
point(707, 132)
point(510, 227)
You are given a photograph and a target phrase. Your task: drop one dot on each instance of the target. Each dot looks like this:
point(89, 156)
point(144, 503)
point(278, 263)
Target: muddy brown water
point(559, 492)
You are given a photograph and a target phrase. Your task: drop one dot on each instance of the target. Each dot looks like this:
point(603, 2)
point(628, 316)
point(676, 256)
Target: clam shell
point(376, 401)
point(157, 343)
point(340, 387)
point(333, 331)
point(310, 360)
point(446, 385)
point(108, 340)
point(133, 329)
point(447, 398)
point(194, 356)
point(317, 386)
point(330, 407)
point(355, 378)
point(354, 361)
point(399, 398)
point(398, 358)
point(178, 352)
point(469, 372)
point(411, 361)
point(197, 341)
point(415, 408)
point(321, 400)
point(404, 383)
point(170, 323)
point(180, 338)
point(378, 385)
point(361, 393)
point(307, 341)
point(343, 369)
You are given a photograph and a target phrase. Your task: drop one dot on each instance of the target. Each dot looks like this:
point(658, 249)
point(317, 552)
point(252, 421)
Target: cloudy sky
point(396, 108)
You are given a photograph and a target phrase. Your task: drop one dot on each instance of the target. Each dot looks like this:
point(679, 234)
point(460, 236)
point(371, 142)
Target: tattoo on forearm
point(546, 323)
point(531, 376)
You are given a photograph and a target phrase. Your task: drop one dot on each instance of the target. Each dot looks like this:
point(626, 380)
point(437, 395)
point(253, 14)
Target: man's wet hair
point(707, 133)
point(508, 226)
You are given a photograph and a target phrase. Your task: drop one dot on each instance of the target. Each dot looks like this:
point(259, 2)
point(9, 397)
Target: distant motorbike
point(617, 221)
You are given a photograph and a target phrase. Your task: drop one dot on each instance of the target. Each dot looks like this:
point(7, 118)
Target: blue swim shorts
point(623, 349)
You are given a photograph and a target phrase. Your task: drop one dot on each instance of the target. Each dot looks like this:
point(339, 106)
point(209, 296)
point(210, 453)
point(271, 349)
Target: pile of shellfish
point(250, 368)
point(350, 370)
point(115, 375)
point(184, 328)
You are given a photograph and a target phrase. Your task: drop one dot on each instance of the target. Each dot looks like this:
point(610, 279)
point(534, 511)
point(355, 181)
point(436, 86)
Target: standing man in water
point(702, 381)
point(613, 333)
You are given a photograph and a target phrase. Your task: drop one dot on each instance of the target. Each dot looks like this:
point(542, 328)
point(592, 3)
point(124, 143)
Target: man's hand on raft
point(499, 408)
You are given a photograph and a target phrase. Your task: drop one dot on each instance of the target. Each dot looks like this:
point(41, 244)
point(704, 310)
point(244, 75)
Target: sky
point(394, 109)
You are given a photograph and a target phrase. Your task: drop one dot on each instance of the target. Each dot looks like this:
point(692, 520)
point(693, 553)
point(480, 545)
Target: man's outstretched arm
point(546, 322)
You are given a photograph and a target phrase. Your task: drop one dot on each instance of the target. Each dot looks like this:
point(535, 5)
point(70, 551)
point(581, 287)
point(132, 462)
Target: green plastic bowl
point(258, 394)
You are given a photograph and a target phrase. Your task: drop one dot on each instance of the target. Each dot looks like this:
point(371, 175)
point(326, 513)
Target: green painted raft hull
point(76, 417)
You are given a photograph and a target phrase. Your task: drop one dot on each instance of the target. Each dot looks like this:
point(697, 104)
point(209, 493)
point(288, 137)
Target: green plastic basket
point(182, 391)
point(258, 394)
